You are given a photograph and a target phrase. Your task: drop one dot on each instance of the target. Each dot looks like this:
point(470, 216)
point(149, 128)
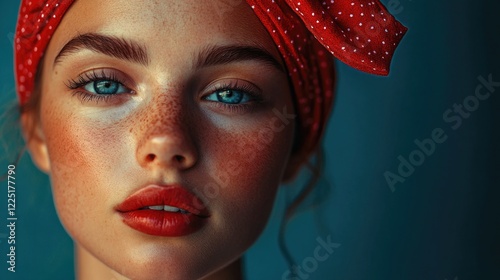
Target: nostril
point(179, 159)
point(150, 157)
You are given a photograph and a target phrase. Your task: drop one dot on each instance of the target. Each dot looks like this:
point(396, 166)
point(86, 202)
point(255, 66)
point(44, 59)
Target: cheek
point(246, 168)
point(80, 154)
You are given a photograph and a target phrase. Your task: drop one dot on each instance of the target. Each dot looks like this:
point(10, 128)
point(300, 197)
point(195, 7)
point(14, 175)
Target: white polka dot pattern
point(36, 23)
point(360, 33)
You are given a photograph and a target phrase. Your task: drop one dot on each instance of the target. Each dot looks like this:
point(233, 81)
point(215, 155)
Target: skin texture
point(162, 131)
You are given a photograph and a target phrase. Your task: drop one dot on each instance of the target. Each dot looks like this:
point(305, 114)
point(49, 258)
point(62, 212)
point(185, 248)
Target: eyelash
point(93, 76)
point(236, 108)
point(89, 77)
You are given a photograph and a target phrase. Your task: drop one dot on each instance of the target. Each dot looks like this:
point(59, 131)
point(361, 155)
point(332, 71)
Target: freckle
point(164, 113)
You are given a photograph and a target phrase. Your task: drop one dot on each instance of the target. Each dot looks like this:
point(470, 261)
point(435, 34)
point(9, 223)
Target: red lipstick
point(163, 211)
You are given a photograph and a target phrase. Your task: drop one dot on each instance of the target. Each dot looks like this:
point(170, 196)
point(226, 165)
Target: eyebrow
point(217, 55)
point(132, 51)
point(108, 45)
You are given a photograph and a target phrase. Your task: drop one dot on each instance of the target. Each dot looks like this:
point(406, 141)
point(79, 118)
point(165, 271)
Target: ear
point(35, 140)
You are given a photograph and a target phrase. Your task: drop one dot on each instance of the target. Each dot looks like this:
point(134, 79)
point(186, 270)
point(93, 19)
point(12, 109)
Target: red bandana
point(361, 33)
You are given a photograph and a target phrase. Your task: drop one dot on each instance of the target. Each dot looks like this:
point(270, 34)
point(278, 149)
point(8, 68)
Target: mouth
point(166, 208)
point(163, 211)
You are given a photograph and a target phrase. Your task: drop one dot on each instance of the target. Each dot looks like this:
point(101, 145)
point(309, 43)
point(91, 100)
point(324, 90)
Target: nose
point(167, 151)
point(166, 139)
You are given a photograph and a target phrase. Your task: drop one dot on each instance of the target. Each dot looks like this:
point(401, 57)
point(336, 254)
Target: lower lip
point(163, 223)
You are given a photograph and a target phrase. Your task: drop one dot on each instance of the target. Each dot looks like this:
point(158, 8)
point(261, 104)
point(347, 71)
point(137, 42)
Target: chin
point(160, 268)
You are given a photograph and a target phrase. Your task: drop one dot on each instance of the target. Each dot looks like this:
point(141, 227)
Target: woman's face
point(190, 94)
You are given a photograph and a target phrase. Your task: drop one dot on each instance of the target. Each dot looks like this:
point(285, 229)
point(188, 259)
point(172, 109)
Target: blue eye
point(229, 96)
point(105, 87)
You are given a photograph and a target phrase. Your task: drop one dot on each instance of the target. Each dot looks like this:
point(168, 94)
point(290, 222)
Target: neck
point(88, 268)
point(233, 271)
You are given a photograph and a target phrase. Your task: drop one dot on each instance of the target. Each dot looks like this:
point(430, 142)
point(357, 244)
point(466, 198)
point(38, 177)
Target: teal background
point(441, 223)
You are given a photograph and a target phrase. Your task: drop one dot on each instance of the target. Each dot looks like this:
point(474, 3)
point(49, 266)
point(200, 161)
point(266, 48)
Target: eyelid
point(257, 99)
point(234, 84)
point(100, 74)
point(77, 86)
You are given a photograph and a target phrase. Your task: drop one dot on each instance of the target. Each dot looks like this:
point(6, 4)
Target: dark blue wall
point(441, 223)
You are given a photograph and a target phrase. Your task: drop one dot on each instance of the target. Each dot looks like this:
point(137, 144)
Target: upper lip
point(172, 195)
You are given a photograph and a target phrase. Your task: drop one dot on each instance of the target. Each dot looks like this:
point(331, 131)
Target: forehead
point(180, 25)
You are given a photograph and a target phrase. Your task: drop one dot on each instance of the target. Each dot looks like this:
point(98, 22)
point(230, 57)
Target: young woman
point(166, 127)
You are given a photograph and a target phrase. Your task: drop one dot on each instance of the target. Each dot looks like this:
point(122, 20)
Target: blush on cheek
point(247, 166)
point(75, 147)
point(245, 171)
point(66, 145)
point(234, 161)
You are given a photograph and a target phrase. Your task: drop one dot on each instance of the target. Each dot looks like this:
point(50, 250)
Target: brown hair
point(316, 169)
point(11, 119)
point(32, 106)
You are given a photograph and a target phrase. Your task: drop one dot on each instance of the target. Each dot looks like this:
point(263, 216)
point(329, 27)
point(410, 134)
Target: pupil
point(229, 96)
point(106, 87)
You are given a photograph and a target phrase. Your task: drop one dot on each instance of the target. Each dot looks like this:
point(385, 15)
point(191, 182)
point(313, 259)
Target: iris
point(229, 96)
point(105, 87)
